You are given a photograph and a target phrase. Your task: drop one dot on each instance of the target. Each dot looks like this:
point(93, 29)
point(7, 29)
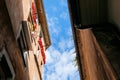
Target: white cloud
point(52, 21)
point(69, 32)
point(53, 24)
point(52, 55)
point(49, 58)
point(64, 44)
point(64, 15)
point(60, 67)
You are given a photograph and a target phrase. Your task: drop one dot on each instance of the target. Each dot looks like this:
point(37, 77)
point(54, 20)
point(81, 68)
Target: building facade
point(24, 37)
point(96, 32)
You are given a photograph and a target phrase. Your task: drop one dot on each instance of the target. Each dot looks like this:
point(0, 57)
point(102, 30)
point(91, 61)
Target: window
point(22, 46)
point(27, 34)
point(6, 69)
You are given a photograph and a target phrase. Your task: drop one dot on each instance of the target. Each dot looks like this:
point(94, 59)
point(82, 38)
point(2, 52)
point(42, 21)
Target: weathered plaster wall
point(10, 21)
point(8, 41)
point(18, 11)
point(32, 68)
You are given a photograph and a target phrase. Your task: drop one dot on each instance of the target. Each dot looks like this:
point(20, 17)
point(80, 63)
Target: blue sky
point(60, 55)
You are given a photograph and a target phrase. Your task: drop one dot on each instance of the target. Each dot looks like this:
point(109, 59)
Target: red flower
point(35, 26)
point(34, 12)
point(42, 50)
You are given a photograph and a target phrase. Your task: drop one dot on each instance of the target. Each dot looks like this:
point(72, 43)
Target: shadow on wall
point(11, 14)
point(108, 37)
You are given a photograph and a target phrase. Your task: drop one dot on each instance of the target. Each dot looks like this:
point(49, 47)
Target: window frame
point(23, 47)
point(4, 54)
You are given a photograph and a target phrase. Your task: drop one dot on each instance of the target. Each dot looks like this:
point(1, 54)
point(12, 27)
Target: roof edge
point(42, 20)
